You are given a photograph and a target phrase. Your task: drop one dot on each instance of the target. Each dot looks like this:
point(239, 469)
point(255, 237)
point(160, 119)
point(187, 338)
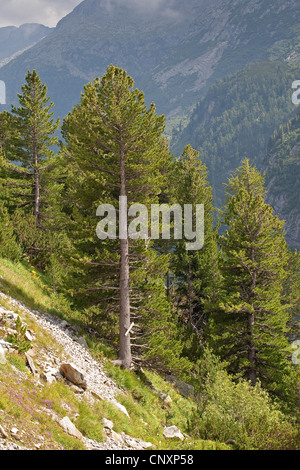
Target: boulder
point(107, 424)
point(73, 374)
point(75, 388)
point(28, 336)
point(173, 432)
point(2, 355)
point(167, 399)
point(146, 445)
point(31, 364)
point(31, 352)
point(120, 407)
point(117, 437)
point(5, 344)
point(48, 377)
point(70, 428)
point(82, 342)
point(3, 433)
point(186, 390)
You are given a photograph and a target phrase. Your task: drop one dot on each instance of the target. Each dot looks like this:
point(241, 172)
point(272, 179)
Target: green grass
point(29, 406)
point(145, 406)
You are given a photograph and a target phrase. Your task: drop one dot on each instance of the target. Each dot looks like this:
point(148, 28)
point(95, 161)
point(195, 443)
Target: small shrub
point(237, 411)
point(19, 339)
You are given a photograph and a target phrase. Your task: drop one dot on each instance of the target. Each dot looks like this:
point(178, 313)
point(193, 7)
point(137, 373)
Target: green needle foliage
point(27, 138)
point(251, 325)
point(195, 272)
point(114, 147)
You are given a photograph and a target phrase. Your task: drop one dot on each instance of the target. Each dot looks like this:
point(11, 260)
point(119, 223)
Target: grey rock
point(3, 433)
point(120, 407)
point(73, 374)
point(70, 428)
point(47, 377)
point(28, 336)
point(173, 432)
point(5, 344)
point(2, 355)
point(186, 390)
point(107, 423)
point(82, 342)
point(31, 364)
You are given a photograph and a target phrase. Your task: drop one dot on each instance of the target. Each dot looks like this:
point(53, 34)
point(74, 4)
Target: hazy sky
point(47, 12)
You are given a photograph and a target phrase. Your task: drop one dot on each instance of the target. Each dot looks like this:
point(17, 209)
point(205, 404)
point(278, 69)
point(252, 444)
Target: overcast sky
point(47, 12)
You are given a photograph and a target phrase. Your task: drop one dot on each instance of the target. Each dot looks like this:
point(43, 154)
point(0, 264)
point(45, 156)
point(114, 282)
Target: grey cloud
point(49, 12)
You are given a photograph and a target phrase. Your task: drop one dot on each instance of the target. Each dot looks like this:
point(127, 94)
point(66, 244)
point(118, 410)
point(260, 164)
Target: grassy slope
point(26, 405)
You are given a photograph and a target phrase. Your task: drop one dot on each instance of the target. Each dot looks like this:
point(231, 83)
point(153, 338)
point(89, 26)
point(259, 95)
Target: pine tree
point(9, 248)
point(114, 148)
point(195, 272)
point(251, 326)
point(28, 169)
point(27, 138)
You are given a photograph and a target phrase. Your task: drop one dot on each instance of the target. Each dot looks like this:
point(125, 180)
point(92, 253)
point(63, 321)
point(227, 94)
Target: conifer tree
point(27, 138)
point(9, 248)
point(251, 325)
point(195, 272)
point(114, 147)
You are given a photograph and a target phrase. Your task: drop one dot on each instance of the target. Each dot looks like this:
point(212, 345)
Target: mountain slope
point(173, 49)
point(44, 406)
point(16, 39)
point(283, 177)
point(236, 118)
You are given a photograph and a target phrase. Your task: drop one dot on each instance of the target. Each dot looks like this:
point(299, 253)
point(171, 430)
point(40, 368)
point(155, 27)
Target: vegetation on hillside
point(236, 119)
point(217, 317)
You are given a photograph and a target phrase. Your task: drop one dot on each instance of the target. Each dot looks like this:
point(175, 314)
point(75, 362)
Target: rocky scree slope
point(64, 358)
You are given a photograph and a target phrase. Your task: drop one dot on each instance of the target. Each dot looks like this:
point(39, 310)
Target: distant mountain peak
point(16, 39)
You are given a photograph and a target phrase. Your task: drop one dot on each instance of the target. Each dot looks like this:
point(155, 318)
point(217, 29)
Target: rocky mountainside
point(174, 50)
point(63, 358)
point(56, 395)
point(283, 176)
point(14, 40)
point(236, 119)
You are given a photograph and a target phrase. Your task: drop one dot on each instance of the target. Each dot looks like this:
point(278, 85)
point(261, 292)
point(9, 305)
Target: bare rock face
point(73, 374)
point(82, 342)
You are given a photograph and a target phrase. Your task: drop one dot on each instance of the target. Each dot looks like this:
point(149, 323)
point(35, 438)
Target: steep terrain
point(13, 40)
point(174, 50)
point(236, 119)
point(59, 390)
point(283, 177)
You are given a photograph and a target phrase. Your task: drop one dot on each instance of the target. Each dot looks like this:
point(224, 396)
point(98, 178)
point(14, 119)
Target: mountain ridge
point(174, 51)
point(15, 39)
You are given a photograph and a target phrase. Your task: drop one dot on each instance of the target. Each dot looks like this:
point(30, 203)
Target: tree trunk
point(124, 319)
point(251, 319)
point(37, 197)
point(251, 350)
point(36, 209)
